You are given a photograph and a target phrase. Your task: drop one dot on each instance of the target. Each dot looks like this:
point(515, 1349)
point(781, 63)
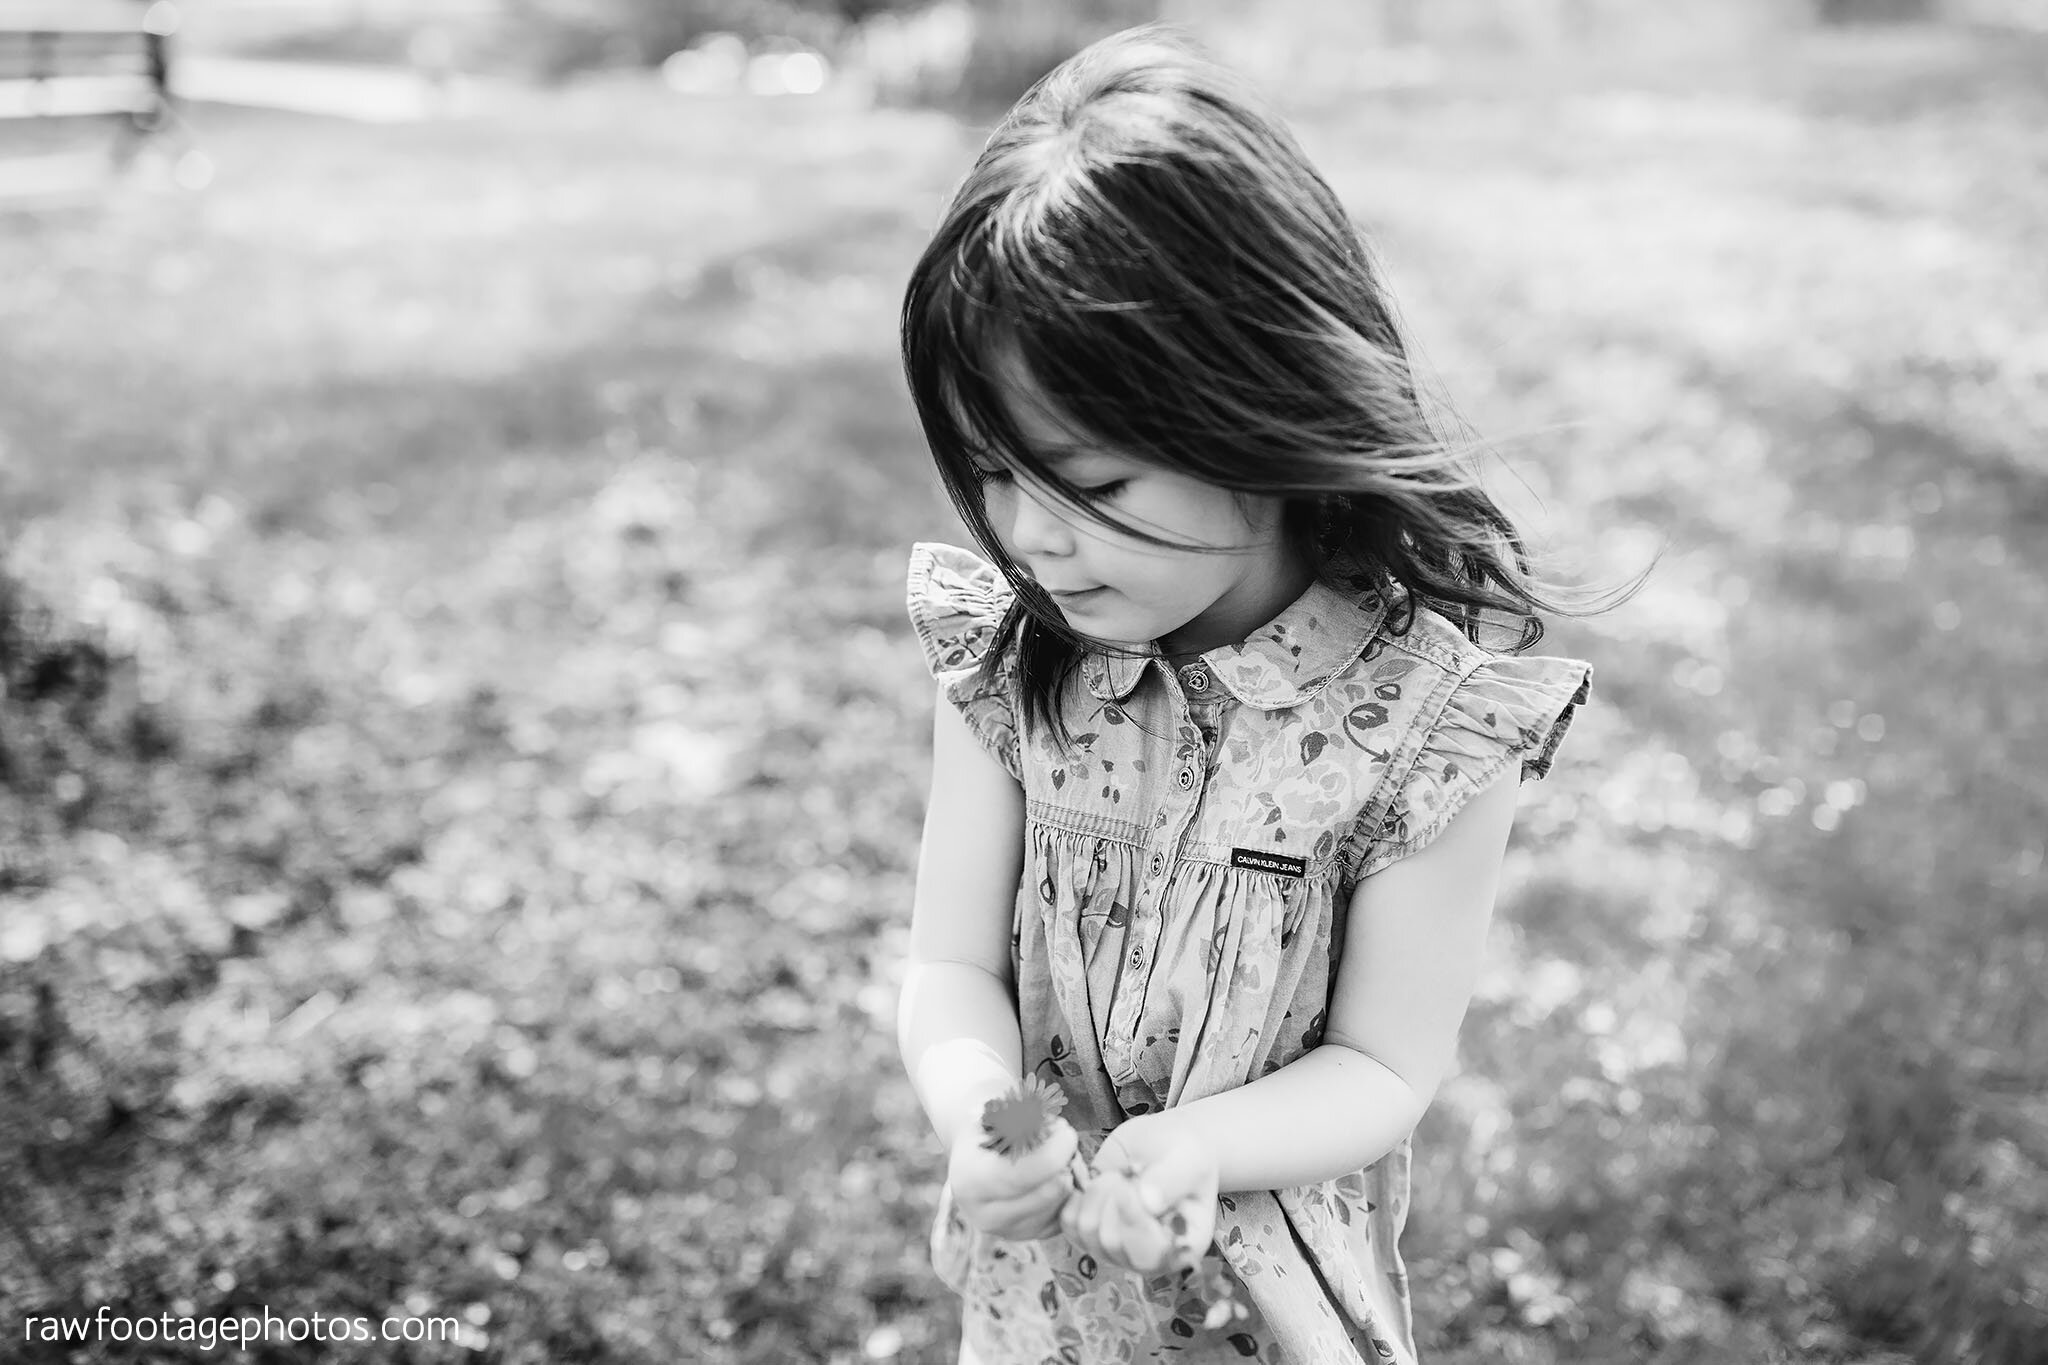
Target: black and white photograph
point(1023, 682)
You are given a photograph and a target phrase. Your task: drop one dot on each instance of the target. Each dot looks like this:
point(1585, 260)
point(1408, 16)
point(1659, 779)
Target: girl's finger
point(1035, 1228)
point(1176, 1174)
point(1088, 1219)
point(1113, 1230)
point(1046, 1160)
point(1007, 1178)
point(1146, 1243)
point(1036, 1207)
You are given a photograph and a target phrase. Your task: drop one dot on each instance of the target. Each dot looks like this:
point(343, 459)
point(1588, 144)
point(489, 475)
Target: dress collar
point(1284, 662)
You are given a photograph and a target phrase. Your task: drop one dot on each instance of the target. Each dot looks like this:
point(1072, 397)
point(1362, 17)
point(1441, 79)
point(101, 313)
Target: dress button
point(1158, 864)
point(1186, 778)
point(1137, 957)
point(1196, 677)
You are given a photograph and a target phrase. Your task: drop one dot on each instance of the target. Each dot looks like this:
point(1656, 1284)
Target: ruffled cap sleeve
point(1509, 709)
point(956, 601)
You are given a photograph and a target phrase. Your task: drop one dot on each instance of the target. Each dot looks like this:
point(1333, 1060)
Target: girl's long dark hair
point(1149, 240)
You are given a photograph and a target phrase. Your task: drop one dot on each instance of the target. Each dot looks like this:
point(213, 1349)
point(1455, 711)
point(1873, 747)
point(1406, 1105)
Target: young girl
point(1223, 773)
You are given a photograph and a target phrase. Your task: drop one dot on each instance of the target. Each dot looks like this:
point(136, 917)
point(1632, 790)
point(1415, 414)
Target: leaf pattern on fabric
point(1505, 710)
point(1152, 971)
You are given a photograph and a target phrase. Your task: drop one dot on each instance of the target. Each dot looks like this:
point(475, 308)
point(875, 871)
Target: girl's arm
point(1411, 958)
point(956, 1022)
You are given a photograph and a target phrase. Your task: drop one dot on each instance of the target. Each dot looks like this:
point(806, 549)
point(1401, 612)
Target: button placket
point(1148, 920)
point(1129, 1012)
point(1147, 923)
point(1209, 717)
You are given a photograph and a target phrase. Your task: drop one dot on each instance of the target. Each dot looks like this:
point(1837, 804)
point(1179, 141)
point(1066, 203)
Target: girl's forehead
point(1052, 435)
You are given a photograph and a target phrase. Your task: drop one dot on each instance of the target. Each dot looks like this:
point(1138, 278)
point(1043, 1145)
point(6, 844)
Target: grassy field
point(461, 751)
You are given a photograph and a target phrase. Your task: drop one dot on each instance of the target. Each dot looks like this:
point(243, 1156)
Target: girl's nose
point(1036, 529)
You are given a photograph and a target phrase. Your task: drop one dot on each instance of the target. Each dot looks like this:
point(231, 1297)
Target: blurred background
point(462, 750)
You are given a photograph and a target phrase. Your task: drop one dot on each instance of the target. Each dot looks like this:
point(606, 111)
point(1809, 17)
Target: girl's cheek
point(998, 507)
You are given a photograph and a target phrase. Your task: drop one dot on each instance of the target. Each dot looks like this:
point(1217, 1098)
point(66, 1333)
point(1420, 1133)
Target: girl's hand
point(1015, 1198)
point(1146, 1173)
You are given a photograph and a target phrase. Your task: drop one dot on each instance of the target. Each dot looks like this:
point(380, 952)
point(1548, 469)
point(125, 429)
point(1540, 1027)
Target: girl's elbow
point(1419, 1078)
point(956, 971)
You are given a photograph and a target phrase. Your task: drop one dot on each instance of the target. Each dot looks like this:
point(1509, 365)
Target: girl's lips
point(1071, 597)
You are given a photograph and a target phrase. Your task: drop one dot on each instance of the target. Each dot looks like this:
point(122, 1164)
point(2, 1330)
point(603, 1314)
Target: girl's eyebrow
point(1062, 454)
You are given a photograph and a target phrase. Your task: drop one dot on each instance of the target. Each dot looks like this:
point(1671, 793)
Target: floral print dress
point(1180, 920)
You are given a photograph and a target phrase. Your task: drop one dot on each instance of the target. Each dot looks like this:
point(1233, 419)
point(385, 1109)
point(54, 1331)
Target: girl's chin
point(1110, 629)
point(1109, 640)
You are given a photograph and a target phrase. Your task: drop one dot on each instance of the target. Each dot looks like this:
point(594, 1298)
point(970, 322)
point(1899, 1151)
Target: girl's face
point(1118, 589)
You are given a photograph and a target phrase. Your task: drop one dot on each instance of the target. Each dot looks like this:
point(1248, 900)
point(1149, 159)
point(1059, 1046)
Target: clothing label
point(1259, 860)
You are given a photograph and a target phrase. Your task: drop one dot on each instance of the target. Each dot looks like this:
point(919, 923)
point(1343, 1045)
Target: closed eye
point(984, 475)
